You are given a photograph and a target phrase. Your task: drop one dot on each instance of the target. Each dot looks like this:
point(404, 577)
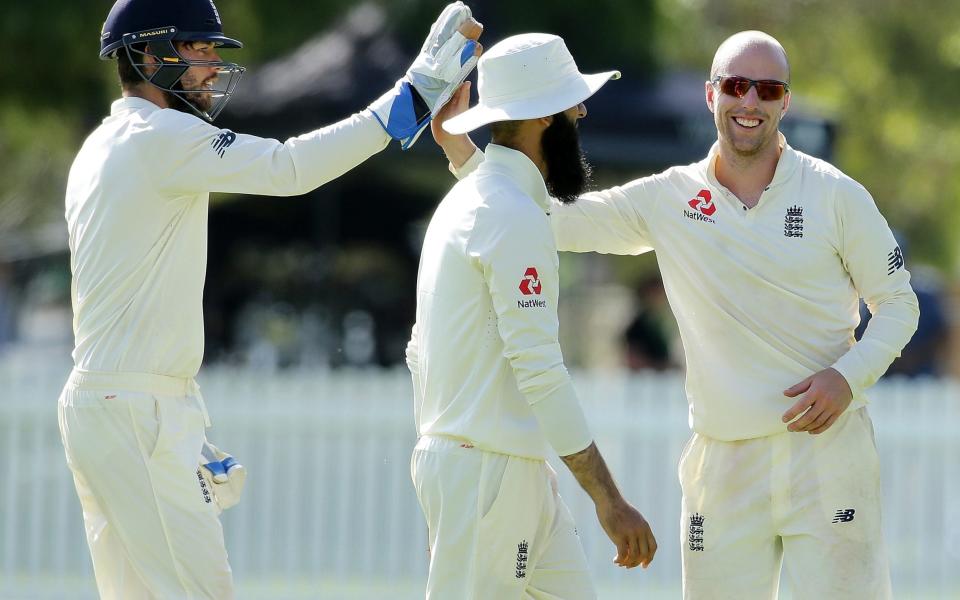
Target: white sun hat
point(527, 76)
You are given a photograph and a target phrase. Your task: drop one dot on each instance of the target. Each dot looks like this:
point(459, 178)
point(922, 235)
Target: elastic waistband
point(133, 382)
point(441, 442)
point(436, 443)
point(147, 383)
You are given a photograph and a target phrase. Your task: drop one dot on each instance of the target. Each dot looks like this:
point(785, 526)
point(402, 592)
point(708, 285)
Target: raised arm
point(612, 221)
point(197, 157)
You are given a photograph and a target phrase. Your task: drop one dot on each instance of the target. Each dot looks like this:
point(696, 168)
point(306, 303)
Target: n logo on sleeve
point(223, 141)
point(894, 261)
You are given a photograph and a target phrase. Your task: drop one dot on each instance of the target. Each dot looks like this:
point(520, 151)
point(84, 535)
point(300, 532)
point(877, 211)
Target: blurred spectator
point(650, 336)
point(7, 310)
point(44, 319)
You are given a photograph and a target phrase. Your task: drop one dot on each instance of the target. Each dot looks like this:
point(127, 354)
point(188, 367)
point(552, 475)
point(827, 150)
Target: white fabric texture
point(484, 355)
point(527, 76)
point(758, 310)
point(152, 532)
point(809, 501)
point(136, 209)
point(497, 527)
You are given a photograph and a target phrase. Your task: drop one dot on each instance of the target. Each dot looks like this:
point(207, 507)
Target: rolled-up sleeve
point(195, 156)
point(475, 160)
point(877, 268)
point(519, 263)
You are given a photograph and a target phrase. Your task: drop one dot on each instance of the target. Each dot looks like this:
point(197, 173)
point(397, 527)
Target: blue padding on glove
point(227, 463)
point(467, 52)
point(217, 467)
point(402, 121)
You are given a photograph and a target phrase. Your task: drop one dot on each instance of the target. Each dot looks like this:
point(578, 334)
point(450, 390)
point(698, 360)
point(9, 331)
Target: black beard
point(198, 100)
point(568, 172)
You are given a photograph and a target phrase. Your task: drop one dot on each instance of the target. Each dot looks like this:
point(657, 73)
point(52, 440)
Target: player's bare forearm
point(623, 524)
point(592, 474)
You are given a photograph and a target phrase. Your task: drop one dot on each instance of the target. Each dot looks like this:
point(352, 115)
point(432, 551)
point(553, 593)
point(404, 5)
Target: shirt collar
point(522, 170)
point(132, 104)
point(785, 165)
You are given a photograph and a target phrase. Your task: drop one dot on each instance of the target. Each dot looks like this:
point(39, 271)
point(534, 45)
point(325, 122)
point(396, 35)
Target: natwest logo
point(704, 203)
point(530, 284)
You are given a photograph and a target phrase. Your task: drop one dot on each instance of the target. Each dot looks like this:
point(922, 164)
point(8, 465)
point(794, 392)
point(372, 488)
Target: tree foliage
point(888, 71)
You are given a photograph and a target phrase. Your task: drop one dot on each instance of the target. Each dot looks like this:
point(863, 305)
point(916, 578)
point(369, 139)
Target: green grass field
point(54, 588)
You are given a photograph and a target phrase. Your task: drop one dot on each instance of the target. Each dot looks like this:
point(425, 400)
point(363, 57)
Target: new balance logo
point(223, 141)
point(522, 549)
point(894, 261)
point(844, 515)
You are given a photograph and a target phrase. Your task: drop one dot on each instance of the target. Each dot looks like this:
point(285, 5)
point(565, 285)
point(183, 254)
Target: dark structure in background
point(329, 278)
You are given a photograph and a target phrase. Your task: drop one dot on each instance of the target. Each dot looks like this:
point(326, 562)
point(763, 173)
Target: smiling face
point(199, 77)
point(748, 126)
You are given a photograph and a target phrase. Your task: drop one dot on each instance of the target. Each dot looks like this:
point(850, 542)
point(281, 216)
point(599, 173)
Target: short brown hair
point(129, 75)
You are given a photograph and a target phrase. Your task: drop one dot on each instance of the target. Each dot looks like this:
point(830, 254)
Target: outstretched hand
point(458, 148)
point(826, 394)
point(449, 53)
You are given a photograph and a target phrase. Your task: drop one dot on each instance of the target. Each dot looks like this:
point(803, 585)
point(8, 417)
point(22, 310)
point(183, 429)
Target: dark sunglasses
point(767, 89)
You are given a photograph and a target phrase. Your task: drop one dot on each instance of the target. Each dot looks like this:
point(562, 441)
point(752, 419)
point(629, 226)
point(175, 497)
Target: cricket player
point(492, 396)
point(131, 417)
point(764, 252)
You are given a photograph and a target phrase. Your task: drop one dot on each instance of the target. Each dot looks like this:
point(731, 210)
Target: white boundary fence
point(329, 510)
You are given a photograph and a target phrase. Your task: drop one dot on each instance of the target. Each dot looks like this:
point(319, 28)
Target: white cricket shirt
point(485, 355)
point(763, 297)
point(136, 210)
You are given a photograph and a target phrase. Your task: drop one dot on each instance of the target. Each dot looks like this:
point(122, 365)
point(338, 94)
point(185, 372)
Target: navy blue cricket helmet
point(195, 20)
point(150, 28)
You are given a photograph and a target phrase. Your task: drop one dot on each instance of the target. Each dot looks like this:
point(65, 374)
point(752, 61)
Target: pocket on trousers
point(512, 528)
point(490, 493)
point(684, 456)
point(180, 429)
point(146, 421)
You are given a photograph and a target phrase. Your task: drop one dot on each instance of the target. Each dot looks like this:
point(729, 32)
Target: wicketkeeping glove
point(448, 55)
point(223, 475)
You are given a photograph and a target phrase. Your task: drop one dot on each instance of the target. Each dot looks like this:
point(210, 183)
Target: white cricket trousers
point(811, 501)
point(133, 441)
point(497, 528)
